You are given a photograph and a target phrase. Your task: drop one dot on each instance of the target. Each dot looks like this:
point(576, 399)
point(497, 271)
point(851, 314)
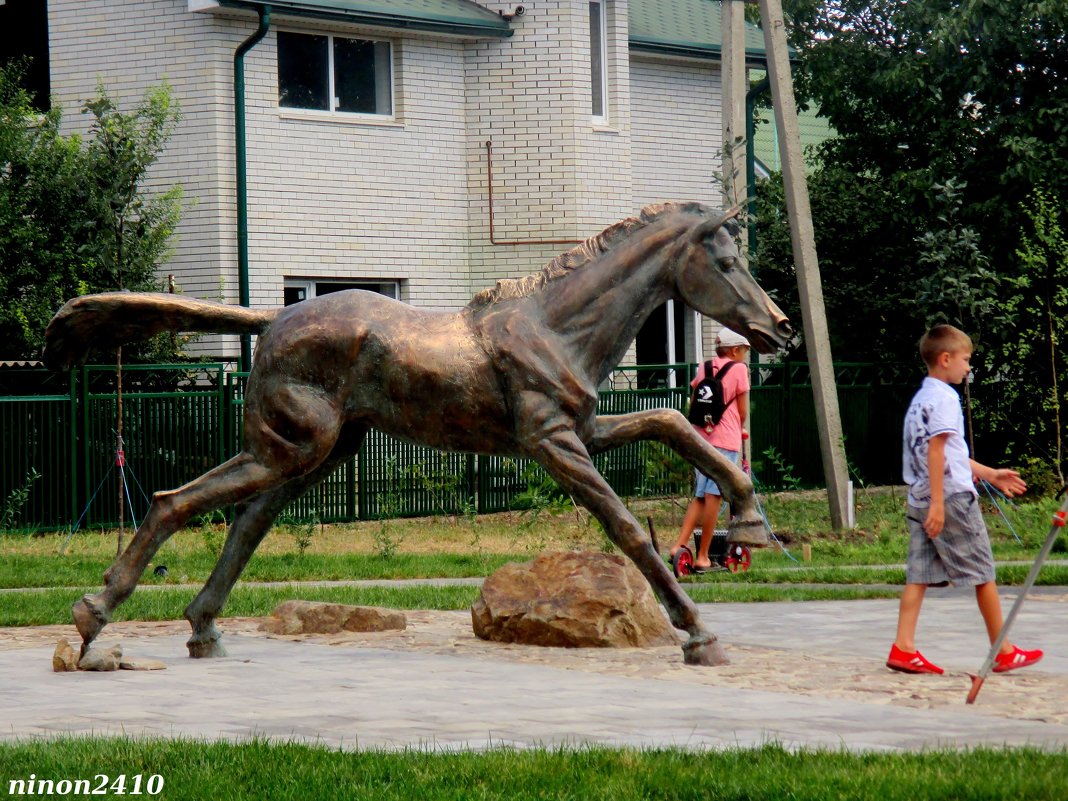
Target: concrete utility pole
point(817, 342)
point(733, 89)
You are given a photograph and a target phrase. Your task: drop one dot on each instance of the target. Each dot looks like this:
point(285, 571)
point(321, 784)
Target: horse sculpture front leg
point(668, 426)
point(566, 459)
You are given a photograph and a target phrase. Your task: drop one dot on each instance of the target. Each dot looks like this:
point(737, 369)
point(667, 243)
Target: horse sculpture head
point(712, 278)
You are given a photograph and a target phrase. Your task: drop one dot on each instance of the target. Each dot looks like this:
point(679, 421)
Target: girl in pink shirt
point(725, 436)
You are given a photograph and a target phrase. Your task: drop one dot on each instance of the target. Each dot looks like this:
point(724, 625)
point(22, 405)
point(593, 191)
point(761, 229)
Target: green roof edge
point(688, 49)
point(450, 25)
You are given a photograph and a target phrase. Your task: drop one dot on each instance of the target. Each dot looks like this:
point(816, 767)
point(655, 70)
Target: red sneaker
point(1017, 659)
point(910, 662)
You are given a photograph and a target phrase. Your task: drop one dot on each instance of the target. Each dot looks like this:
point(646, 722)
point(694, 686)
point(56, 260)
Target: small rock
point(102, 658)
point(64, 659)
point(313, 617)
point(142, 664)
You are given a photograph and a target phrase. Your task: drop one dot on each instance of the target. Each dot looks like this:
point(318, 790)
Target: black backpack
point(707, 405)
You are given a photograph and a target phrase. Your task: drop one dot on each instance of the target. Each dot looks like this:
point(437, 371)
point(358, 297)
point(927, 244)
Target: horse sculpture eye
point(727, 262)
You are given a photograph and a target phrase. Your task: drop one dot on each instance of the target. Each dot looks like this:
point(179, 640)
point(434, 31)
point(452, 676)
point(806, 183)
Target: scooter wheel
point(682, 562)
point(739, 558)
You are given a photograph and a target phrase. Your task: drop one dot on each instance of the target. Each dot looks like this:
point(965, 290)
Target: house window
point(24, 35)
point(333, 73)
point(297, 289)
point(598, 66)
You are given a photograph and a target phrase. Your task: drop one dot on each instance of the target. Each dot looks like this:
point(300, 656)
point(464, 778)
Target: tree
point(1033, 364)
point(862, 255)
point(958, 285)
point(75, 216)
point(40, 211)
point(130, 232)
point(947, 114)
point(921, 94)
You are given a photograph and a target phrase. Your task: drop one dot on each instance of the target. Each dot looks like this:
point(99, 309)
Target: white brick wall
point(336, 199)
point(676, 131)
point(604, 165)
point(129, 47)
point(523, 95)
point(675, 141)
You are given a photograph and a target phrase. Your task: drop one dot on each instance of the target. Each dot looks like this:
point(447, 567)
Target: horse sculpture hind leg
point(566, 459)
point(268, 461)
point(230, 482)
point(247, 531)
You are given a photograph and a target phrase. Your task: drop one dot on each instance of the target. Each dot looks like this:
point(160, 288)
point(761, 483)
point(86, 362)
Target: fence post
point(224, 408)
point(787, 391)
point(472, 482)
point(481, 462)
point(361, 479)
point(72, 486)
point(83, 449)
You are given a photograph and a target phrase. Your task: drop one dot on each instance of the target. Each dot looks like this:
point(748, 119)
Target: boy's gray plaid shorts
point(961, 553)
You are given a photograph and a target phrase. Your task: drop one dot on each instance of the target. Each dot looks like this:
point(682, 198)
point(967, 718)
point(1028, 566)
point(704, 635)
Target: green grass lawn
point(52, 606)
point(258, 770)
point(769, 566)
point(874, 553)
point(52, 570)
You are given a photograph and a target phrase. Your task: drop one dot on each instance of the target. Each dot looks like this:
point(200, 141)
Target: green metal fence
point(38, 454)
point(171, 432)
point(872, 400)
point(181, 420)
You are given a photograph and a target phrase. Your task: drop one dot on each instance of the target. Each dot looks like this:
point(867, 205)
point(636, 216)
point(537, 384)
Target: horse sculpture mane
point(581, 255)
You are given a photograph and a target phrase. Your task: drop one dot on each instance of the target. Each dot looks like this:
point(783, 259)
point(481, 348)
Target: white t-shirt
point(935, 410)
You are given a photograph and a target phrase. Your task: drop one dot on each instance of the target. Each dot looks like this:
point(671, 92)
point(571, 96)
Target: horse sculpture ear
point(708, 229)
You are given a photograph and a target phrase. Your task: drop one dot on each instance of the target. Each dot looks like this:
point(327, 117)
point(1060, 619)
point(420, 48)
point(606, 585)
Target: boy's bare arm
point(936, 466)
point(1006, 480)
point(743, 408)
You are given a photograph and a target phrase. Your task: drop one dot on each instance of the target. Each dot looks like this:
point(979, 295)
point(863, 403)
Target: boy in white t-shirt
point(948, 538)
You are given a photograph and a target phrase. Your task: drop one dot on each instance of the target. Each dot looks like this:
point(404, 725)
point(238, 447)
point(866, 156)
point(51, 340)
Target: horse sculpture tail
point(112, 318)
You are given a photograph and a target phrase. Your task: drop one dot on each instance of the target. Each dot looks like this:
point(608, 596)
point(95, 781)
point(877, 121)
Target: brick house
point(381, 136)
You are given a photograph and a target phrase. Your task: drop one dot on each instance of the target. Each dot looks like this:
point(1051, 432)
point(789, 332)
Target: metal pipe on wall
point(493, 239)
point(242, 173)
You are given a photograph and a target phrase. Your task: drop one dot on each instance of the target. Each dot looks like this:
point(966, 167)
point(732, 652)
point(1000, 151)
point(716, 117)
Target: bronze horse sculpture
point(515, 372)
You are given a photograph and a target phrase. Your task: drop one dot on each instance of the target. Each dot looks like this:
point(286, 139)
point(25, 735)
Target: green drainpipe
point(750, 155)
point(242, 173)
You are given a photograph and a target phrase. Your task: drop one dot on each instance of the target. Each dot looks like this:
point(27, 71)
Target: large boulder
point(313, 617)
point(574, 600)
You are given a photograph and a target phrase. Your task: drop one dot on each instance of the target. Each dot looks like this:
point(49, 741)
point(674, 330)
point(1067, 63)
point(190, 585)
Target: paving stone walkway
point(803, 674)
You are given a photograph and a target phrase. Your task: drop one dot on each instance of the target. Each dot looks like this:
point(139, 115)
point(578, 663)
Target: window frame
point(333, 112)
point(602, 118)
point(311, 286)
point(25, 34)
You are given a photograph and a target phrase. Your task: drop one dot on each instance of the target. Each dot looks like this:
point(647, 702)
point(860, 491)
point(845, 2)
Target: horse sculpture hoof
point(89, 619)
point(704, 650)
point(206, 641)
point(748, 532)
point(205, 649)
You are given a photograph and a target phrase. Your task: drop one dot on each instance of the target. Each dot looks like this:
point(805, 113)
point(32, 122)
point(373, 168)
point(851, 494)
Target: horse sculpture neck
point(598, 309)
